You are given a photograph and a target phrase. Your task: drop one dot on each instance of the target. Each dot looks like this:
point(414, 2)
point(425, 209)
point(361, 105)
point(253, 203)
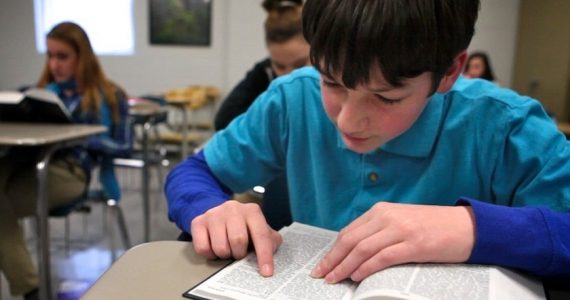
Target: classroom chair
point(109, 196)
point(150, 140)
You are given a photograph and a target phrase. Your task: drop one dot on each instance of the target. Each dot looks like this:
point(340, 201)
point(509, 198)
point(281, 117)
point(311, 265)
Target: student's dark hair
point(405, 37)
point(283, 20)
point(488, 71)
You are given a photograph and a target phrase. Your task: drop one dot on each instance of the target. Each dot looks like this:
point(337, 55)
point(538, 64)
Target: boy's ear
point(453, 72)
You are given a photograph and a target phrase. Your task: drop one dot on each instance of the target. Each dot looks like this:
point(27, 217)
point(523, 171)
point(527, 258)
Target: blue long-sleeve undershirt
point(191, 189)
point(532, 239)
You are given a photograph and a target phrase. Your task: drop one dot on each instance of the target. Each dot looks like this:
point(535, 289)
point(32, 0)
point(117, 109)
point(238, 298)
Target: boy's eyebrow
point(381, 90)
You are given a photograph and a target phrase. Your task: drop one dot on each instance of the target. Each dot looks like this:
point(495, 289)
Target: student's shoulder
point(479, 93)
point(298, 90)
point(301, 76)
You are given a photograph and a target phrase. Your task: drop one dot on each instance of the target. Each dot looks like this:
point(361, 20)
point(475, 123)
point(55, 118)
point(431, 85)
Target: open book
point(304, 245)
point(33, 105)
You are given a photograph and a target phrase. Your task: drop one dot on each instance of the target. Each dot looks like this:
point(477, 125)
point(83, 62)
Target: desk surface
point(157, 270)
point(166, 269)
point(34, 134)
point(147, 110)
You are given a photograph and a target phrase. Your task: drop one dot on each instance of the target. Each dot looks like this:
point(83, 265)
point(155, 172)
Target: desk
point(50, 137)
point(157, 270)
point(166, 269)
point(148, 116)
point(190, 100)
point(181, 105)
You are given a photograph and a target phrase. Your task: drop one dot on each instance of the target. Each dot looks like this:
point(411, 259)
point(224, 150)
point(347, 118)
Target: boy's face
point(370, 115)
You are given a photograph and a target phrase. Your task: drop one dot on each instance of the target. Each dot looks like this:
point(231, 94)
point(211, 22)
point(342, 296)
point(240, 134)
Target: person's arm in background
point(118, 141)
point(533, 239)
point(240, 98)
point(191, 189)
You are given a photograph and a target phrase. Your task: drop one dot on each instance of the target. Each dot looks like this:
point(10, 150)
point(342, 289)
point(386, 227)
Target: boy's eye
point(331, 84)
point(387, 100)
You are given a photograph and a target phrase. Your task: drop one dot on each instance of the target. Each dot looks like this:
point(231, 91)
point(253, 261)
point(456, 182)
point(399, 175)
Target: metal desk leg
point(146, 180)
point(42, 225)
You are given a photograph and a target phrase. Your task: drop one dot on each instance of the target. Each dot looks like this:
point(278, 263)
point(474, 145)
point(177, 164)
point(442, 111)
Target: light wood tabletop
point(49, 138)
point(156, 270)
point(36, 134)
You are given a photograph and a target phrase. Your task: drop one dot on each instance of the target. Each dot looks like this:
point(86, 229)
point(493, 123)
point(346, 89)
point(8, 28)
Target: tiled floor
point(90, 253)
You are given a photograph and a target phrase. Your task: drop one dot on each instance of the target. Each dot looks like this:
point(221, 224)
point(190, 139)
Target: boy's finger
point(219, 238)
point(201, 240)
point(360, 221)
point(364, 250)
point(238, 237)
point(264, 244)
point(345, 243)
point(390, 256)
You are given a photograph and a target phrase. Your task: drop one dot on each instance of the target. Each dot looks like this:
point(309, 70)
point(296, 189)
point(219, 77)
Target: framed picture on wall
point(180, 22)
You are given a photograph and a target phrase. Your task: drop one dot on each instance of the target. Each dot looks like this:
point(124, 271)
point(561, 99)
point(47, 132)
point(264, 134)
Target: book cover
point(32, 106)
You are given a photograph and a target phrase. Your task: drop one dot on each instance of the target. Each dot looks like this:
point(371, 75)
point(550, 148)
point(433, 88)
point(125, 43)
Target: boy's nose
point(353, 116)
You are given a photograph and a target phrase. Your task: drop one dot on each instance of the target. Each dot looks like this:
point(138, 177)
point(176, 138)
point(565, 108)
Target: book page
point(34, 105)
point(10, 97)
point(44, 95)
point(393, 283)
point(302, 248)
point(507, 284)
point(47, 96)
point(448, 281)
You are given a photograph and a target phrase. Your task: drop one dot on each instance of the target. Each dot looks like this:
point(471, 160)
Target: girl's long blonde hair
point(91, 81)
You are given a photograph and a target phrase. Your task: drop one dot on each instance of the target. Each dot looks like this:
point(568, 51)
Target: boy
point(387, 120)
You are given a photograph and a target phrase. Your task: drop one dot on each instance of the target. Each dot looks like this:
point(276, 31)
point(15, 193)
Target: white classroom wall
point(237, 42)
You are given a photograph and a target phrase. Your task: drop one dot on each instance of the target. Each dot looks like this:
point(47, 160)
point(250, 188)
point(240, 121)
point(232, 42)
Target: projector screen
point(108, 23)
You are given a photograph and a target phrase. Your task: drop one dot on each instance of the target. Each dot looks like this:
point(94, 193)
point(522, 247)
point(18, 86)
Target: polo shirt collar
point(419, 140)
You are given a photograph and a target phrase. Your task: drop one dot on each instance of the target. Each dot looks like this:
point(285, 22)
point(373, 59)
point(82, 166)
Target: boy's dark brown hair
point(405, 38)
point(283, 20)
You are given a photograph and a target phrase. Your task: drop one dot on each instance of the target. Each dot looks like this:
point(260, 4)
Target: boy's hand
point(391, 234)
point(225, 231)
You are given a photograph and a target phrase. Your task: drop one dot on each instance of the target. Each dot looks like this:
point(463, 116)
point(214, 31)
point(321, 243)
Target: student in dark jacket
point(288, 50)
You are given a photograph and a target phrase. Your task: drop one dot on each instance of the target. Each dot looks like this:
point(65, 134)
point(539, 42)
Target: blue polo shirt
point(477, 140)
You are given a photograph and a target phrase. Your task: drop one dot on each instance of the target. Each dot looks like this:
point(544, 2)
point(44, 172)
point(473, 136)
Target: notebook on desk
point(34, 106)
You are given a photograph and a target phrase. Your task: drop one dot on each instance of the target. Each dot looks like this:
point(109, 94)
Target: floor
point(90, 248)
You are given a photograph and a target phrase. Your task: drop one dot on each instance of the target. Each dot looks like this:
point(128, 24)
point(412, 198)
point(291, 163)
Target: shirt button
point(372, 176)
